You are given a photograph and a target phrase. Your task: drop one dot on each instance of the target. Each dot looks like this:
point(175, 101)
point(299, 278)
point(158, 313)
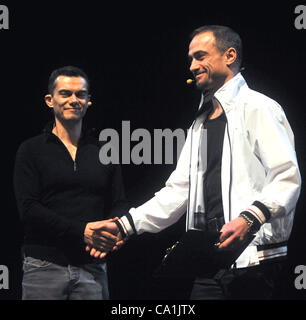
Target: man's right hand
point(112, 227)
point(101, 234)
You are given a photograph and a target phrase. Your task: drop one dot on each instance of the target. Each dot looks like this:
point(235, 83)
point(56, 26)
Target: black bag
point(196, 254)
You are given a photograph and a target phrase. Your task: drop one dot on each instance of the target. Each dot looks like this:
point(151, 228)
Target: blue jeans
point(43, 280)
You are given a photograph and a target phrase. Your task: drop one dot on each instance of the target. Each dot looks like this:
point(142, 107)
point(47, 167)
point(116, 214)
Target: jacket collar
point(227, 94)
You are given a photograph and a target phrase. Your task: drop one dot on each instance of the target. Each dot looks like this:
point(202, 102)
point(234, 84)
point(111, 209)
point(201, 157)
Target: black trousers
point(262, 282)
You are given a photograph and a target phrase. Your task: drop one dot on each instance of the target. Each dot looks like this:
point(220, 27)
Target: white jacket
point(258, 164)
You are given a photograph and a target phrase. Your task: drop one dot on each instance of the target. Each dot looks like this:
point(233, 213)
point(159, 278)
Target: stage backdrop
point(136, 59)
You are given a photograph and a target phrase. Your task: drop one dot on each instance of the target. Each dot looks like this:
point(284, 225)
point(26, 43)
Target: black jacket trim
point(263, 209)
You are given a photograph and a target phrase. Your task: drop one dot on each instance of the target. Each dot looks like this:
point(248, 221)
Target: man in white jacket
point(238, 167)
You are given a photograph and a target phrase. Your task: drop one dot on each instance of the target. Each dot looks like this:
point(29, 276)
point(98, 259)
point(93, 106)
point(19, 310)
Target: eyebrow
point(69, 91)
point(197, 53)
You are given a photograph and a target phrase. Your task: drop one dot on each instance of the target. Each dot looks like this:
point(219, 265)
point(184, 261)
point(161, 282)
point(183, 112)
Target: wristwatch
point(253, 225)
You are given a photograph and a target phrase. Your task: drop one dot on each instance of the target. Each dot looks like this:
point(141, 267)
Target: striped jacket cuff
point(259, 211)
point(123, 234)
point(127, 227)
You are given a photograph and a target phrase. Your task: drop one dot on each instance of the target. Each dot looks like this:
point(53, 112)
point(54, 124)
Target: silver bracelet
point(247, 219)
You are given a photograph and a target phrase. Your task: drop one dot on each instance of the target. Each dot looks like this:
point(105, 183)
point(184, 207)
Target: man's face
point(207, 64)
point(69, 99)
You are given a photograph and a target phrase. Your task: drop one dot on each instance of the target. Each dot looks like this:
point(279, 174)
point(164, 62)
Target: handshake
point(102, 237)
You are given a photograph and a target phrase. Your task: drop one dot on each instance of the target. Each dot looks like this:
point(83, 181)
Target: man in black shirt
point(61, 189)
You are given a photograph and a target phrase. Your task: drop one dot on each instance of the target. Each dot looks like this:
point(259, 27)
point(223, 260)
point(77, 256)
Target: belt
point(202, 223)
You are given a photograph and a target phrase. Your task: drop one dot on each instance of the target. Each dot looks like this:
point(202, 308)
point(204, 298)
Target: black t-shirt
point(212, 179)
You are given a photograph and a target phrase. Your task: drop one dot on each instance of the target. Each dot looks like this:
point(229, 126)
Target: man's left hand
point(233, 234)
point(96, 253)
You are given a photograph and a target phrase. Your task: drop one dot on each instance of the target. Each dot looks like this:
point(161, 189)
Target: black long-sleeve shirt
point(57, 196)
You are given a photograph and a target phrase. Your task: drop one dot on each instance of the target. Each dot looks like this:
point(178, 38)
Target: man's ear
point(230, 56)
point(49, 100)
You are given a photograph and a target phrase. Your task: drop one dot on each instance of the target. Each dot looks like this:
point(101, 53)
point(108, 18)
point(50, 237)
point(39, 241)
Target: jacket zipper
point(75, 166)
point(230, 183)
point(188, 201)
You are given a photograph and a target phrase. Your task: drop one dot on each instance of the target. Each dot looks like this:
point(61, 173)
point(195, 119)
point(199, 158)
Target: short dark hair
point(69, 71)
point(225, 38)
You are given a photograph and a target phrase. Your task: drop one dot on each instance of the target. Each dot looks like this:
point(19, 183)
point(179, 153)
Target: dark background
point(136, 59)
